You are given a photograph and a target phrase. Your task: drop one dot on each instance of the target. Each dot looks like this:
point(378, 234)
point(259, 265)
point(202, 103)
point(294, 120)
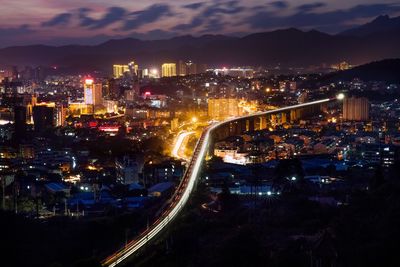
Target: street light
point(340, 96)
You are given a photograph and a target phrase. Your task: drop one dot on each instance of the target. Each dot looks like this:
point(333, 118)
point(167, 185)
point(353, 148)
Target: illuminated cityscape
point(238, 133)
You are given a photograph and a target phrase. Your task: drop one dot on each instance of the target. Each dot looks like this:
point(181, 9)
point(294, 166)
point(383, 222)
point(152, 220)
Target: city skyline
point(40, 22)
point(185, 133)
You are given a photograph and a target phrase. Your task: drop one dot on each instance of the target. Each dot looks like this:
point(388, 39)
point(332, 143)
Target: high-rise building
point(13, 72)
point(92, 92)
point(112, 89)
point(201, 68)
point(191, 68)
point(153, 73)
point(293, 86)
point(136, 87)
point(302, 97)
point(145, 73)
point(283, 86)
point(129, 95)
point(79, 108)
point(20, 118)
point(355, 109)
point(128, 169)
point(222, 90)
point(168, 70)
point(220, 108)
point(287, 86)
point(120, 70)
point(43, 117)
point(98, 94)
point(181, 68)
point(133, 68)
point(61, 115)
point(111, 105)
point(26, 151)
point(186, 68)
point(174, 124)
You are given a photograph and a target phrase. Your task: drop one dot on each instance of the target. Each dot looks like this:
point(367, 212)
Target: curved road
point(178, 145)
point(185, 188)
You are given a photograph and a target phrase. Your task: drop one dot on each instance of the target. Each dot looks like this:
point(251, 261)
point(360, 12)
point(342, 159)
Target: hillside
point(384, 70)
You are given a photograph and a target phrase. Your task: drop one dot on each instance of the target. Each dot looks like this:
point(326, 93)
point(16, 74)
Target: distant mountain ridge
point(288, 47)
point(381, 24)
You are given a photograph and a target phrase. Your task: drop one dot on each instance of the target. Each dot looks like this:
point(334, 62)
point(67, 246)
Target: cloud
point(195, 17)
point(214, 25)
point(113, 14)
point(230, 7)
point(85, 20)
point(15, 35)
point(149, 15)
point(306, 18)
point(211, 18)
point(128, 20)
point(196, 22)
point(310, 7)
point(60, 19)
point(279, 4)
point(21, 30)
point(194, 6)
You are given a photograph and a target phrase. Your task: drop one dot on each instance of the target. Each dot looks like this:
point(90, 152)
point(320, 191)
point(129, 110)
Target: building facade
point(128, 169)
point(168, 70)
point(119, 70)
point(220, 108)
point(356, 109)
point(93, 93)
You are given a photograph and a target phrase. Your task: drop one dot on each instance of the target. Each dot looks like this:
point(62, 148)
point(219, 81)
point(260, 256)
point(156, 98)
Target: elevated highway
point(187, 185)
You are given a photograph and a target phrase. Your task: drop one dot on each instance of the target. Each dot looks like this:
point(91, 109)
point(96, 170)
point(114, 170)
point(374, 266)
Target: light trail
point(186, 186)
point(178, 144)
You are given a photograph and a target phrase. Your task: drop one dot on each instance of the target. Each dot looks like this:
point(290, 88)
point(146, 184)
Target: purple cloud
point(60, 19)
point(149, 15)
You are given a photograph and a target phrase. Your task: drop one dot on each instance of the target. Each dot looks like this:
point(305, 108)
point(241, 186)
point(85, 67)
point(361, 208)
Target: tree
point(378, 179)
point(227, 200)
point(288, 168)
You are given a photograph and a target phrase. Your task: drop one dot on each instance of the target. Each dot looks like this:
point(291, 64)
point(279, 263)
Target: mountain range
point(376, 40)
point(381, 24)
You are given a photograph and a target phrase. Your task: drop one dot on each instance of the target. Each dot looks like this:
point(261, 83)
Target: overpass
point(188, 182)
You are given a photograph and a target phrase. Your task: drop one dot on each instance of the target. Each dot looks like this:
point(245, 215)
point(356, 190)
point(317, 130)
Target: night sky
point(59, 22)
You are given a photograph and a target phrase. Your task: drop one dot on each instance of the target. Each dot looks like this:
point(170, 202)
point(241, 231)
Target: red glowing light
point(93, 124)
point(109, 128)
